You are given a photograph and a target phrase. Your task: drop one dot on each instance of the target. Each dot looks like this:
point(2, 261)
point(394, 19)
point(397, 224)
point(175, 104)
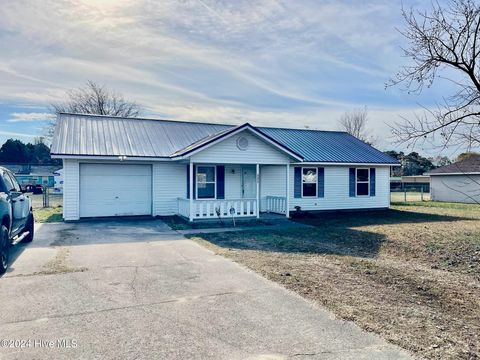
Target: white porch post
point(287, 199)
point(257, 177)
point(190, 213)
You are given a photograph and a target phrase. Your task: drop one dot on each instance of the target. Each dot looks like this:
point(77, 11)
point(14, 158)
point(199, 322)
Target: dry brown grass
point(410, 274)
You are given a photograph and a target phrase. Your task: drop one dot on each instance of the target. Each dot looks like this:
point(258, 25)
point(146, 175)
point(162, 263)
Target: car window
point(3, 185)
point(16, 186)
point(8, 182)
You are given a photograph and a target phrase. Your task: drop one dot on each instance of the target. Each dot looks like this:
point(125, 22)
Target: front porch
point(234, 191)
point(238, 208)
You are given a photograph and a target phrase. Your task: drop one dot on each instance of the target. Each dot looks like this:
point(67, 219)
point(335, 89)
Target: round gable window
point(242, 143)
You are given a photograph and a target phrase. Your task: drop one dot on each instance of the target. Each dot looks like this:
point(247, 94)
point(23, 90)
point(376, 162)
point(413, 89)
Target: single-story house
point(457, 182)
point(115, 166)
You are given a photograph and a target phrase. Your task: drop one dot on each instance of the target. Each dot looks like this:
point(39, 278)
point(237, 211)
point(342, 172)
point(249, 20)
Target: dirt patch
point(410, 274)
point(58, 265)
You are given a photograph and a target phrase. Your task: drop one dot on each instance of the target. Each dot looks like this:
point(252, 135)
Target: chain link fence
point(410, 194)
point(48, 198)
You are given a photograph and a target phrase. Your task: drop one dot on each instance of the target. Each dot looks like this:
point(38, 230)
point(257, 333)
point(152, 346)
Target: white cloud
point(257, 43)
point(30, 116)
point(268, 62)
point(16, 134)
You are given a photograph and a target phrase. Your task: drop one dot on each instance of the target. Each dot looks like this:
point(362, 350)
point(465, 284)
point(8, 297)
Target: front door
point(249, 186)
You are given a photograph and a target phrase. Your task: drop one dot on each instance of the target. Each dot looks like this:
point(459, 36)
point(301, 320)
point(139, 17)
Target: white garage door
point(115, 190)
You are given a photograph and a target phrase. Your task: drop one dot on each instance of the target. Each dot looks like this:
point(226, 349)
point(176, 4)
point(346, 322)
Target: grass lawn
point(410, 274)
point(50, 214)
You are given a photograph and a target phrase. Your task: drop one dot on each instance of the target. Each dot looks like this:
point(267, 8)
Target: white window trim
point(316, 183)
point(208, 182)
point(362, 182)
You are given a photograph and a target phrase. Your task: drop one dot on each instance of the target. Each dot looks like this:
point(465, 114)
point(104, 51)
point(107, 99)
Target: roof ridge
point(299, 129)
point(194, 122)
point(144, 118)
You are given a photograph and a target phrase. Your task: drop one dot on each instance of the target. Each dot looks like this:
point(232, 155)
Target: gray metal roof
point(93, 135)
point(328, 146)
point(467, 166)
point(113, 136)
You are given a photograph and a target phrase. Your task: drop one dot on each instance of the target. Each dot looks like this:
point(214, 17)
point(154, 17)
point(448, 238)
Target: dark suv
point(16, 216)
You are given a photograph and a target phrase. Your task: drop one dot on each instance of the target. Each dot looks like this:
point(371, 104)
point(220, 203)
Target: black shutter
point(321, 182)
point(297, 183)
point(352, 182)
point(372, 181)
point(220, 182)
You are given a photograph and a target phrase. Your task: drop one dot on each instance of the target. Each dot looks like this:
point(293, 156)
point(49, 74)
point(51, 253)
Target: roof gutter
point(184, 157)
point(344, 163)
point(114, 157)
point(454, 173)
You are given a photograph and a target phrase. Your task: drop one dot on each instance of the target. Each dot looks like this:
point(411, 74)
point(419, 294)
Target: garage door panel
point(116, 169)
point(115, 190)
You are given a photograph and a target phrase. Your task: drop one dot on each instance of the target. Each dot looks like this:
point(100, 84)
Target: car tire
point(4, 249)
point(30, 227)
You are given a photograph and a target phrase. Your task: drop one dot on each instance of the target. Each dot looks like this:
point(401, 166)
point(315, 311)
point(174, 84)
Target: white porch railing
point(205, 209)
point(276, 204)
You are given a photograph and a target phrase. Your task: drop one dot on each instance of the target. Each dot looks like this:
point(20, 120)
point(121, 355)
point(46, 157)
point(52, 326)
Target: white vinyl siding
point(71, 189)
point(272, 182)
point(337, 191)
point(169, 184)
point(455, 188)
point(258, 152)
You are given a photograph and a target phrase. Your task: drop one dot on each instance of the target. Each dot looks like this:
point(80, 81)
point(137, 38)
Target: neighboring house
point(457, 182)
point(27, 174)
point(122, 166)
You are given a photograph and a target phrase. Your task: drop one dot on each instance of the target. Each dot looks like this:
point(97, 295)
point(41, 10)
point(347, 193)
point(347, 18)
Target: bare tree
point(443, 40)
point(355, 123)
point(467, 155)
point(94, 99)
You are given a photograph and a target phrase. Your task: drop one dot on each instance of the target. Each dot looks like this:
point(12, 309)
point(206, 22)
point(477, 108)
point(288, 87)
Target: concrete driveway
point(137, 290)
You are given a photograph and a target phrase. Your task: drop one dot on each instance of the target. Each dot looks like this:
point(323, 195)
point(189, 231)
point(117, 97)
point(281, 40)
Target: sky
point(269, 62)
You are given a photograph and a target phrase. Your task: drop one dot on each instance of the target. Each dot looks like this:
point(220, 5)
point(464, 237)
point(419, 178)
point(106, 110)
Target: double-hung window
point(363, 182)
point(309, 182)
point(206, 185)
